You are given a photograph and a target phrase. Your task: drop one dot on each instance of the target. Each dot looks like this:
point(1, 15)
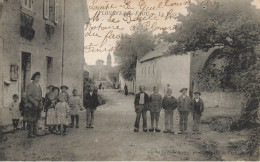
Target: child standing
point(197, 105)
point(141, 104)
point(62, 109)
point(91, 103)
point(155, 108)
point(14, 108)
point(75, 106)
point(184, 104)
point(169, 104)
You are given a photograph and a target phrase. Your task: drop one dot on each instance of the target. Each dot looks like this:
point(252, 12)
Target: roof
point(161, 50)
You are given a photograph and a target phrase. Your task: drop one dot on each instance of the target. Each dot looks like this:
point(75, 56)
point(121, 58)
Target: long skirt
point(62, 117)
point(51, 117)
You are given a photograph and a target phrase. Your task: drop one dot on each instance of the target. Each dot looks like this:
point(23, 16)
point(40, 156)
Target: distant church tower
point(109, 62)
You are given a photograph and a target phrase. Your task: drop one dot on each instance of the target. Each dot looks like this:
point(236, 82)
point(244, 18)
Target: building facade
point(32, 38)
point(159, 68)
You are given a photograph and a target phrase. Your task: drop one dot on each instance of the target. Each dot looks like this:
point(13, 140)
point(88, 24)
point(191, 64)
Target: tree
point(134, 47)
point(234, 26)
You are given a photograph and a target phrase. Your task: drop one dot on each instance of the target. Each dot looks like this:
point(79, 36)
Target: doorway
point(26, 71)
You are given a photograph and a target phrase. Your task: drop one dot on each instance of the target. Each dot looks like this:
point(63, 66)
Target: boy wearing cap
point(197, 107)
point(155, 108)
point(184, 105)
point(169, 104)
point(141, 104)
point(64, 93)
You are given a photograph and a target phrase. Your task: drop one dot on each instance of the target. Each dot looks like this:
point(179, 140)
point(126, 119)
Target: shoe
point(64, 134)
point(91, 127)
point(180, 132)
point(87, 126)
point(172, 132)
point(77, 126)
point(151, 130)
point(136, 130)
point(145, 130)
point(157, 130)
point(165, 131)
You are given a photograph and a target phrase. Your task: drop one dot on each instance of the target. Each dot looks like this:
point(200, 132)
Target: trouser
point(89, 116)
point(24, 123)
point(139, 112)
point(15, 123)
point(168, 119)
point(154, 115)
point(196, 120)
point(183, 120)
point(32, 127)
point(77, 119)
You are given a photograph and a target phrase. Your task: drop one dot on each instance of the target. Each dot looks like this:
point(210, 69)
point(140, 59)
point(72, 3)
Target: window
point(28, 4)
point(46, 9)
point(144, 71)
point(149, 71)
point(153, 69)
point(49, 70)
point(56, 11)
point(51, 10)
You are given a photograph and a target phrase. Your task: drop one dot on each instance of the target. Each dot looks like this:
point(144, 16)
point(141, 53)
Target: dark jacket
point(34, 96)
point(197, 107)
point(137, 99)
point(91, 101)
point(184, 104)
point(169, 103)
point(155, 104)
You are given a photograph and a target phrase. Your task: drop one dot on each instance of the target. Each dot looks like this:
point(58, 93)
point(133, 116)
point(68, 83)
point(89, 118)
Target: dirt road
point(112, 138)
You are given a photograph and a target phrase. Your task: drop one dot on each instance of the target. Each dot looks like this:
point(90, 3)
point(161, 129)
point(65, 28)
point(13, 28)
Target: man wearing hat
point(184, 105)
point(34, 104)
point(64, 93)
point(197, 107)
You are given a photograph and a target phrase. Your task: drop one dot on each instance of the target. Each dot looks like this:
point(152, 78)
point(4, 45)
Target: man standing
point(91, 103)
point(34, 105)
point(141, 104)
point(184, 106)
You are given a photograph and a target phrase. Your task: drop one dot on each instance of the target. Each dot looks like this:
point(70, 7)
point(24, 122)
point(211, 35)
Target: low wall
point(222, 99)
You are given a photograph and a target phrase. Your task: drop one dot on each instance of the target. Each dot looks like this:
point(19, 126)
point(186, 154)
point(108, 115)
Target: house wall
point(73, 45)
point(172, 69)
point(13, 45)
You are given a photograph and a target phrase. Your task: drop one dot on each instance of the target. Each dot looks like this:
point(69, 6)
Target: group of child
point(57, 107)
point(169, 103)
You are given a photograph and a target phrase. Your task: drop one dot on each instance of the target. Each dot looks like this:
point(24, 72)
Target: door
point(26, 71)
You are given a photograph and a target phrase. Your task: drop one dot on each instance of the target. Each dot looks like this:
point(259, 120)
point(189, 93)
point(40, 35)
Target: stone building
point(45, 36)
point(159, 68)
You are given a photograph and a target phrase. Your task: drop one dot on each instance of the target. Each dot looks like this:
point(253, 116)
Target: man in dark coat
point(197, 107)
point(34, 104)
point(126, 90)
point(90, 103)
point(141, 106)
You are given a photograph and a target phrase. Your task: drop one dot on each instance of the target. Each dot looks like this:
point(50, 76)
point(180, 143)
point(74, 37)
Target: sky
point(120, 16)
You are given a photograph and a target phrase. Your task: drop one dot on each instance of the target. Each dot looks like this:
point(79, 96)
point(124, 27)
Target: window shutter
point(46, 9)
point(56, 11)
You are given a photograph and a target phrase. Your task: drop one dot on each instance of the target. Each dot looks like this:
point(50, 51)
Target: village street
point(112, 138)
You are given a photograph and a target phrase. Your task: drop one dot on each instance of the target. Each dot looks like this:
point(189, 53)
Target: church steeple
point(109, 62)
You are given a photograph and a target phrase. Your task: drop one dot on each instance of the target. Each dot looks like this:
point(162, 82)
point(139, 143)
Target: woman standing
point(34, 104)
point(126, 90)
point(76, 105)
point(51, 101)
